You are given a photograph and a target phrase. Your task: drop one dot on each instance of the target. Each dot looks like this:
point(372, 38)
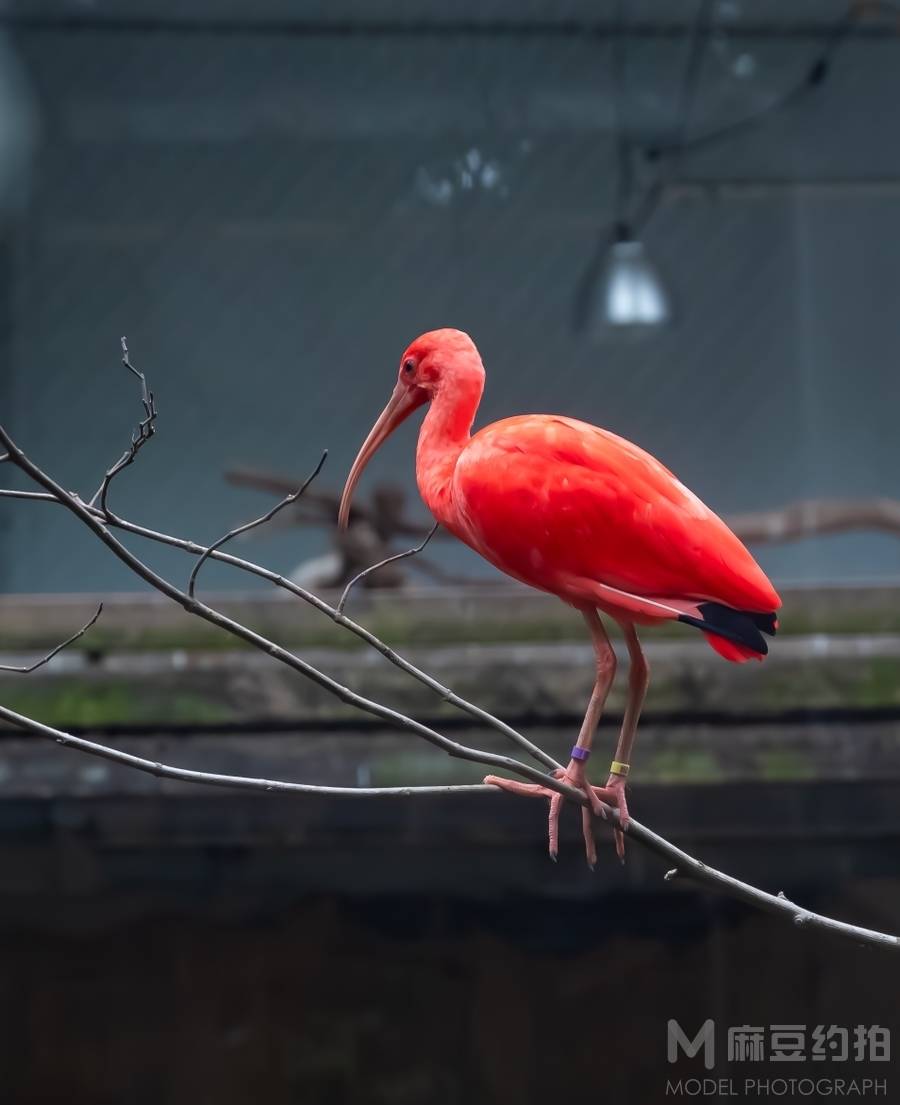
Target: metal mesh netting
point(271, 200)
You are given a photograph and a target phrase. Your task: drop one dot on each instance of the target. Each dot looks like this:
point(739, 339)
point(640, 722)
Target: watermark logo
point(779, 1043)
point(706, 1038)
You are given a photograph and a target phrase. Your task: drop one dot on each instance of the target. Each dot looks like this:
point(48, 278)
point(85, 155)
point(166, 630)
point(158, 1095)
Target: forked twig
point(99, 526)
point(53, 652)
point(381, 563)
point(390, 654)
point(146, 428)
point(286, 501)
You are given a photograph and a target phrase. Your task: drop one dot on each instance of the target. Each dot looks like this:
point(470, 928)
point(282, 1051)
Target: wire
point(624, 174)
point(689, 83)
point(816, 74)
point(692, 69)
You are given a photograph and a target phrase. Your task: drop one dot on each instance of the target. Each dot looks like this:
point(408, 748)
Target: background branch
point(816, 516)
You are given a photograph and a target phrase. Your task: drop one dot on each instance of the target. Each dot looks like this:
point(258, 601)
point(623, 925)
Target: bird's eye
point(409, 367)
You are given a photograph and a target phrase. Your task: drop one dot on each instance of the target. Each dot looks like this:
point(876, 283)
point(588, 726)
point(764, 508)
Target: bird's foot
point(615, 787)
point(613, 794)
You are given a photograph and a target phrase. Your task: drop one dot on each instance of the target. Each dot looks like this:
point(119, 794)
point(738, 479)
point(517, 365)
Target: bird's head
point(430, 363)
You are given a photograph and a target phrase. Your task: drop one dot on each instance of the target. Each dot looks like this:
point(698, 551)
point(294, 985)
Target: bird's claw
point(612, 794)
point(615, 784)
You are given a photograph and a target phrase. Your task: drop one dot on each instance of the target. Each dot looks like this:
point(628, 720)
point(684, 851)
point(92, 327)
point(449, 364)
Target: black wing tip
point(743, 627)
point(768, 623)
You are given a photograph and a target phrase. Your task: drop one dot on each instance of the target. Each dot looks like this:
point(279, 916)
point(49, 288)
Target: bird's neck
point(444, 434)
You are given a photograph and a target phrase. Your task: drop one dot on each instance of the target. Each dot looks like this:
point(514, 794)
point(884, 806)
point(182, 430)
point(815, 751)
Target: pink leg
point(638, 681)
point(605, 659)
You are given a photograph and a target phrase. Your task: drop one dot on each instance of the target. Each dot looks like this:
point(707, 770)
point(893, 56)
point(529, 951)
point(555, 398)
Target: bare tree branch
point(381, 563)
point(286, 501)
point(146, 428)
point(100, 519)
point(817, 516)
point(206, 778)
point(686, 865)
point(192, 605)
point(53, 652)
point(391, 655)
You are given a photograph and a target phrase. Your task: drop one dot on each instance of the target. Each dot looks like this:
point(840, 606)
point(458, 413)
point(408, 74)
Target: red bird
point(577, 511)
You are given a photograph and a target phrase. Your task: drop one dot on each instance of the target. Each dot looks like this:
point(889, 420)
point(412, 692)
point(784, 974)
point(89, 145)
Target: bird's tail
point(735, 634)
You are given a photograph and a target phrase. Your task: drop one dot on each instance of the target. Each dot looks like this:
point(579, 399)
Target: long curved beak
point(400, 406)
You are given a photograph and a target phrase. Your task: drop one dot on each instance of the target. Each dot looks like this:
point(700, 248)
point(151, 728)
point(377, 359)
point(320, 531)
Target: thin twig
point(381, 563)
point(286, 501)
point(685, 864)
point(89, 516)
point(207, 778)
point(146, 428)
point(393, 657)
point(320, 507)
point(46, 659)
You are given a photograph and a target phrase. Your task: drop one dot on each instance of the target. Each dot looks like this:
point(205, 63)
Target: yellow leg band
point(617, 768)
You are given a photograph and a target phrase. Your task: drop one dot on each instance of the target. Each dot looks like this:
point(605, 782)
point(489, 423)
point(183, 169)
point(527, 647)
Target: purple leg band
point(580, 753)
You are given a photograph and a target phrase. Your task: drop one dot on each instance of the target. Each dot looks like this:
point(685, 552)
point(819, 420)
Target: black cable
point(624, 174)
point(815, 76)
point(689, 84)
point(692, 69)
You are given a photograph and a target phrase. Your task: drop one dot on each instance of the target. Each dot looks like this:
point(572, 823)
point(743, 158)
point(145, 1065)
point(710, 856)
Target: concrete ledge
point(482, 614)
point(525, 681)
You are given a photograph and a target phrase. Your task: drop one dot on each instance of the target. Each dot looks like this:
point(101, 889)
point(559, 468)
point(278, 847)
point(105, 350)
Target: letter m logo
point(705, 1038)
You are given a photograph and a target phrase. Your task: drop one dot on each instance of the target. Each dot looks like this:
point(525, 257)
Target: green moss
point(68, 703)
point(878, 684)
point(782, 764)
point(409, 769)
point(684, 765)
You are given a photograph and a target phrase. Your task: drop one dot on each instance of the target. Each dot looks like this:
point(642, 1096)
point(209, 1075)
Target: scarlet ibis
point(574, 510)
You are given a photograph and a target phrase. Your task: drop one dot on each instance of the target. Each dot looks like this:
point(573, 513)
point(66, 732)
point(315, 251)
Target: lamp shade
point(629, 296)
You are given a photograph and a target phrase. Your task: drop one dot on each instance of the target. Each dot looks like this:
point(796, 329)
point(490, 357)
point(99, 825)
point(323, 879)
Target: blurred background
point(678, 220)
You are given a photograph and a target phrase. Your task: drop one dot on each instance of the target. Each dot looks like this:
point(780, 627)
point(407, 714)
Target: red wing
point(547, 498)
